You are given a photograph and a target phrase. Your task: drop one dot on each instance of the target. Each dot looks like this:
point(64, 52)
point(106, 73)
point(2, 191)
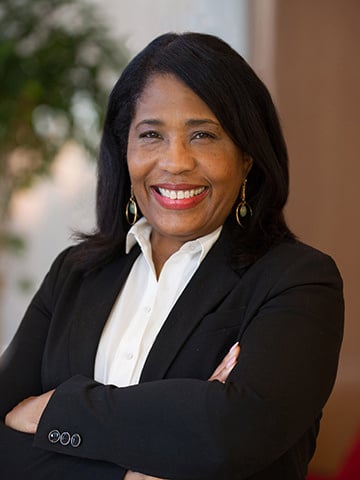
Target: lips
point(179, 197)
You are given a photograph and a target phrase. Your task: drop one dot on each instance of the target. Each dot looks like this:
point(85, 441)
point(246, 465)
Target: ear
point(247, 163)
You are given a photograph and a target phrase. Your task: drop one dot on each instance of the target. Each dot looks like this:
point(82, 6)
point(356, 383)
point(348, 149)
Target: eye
point(203, 135)
point(150, 134)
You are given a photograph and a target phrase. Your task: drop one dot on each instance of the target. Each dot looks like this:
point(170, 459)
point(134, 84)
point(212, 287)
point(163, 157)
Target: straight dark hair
point(243, 106)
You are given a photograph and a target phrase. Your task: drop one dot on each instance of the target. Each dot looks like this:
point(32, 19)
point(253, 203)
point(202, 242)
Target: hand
point(138, 476)
point(222, 372)
point(26, 415)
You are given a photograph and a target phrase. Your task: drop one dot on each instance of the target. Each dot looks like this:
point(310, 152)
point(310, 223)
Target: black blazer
point(286, 310)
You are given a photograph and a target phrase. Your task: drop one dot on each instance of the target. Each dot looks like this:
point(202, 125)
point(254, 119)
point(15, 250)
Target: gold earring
point(131, 210)
point(243, 208)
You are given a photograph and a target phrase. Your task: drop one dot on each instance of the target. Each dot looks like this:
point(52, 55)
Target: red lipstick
point(179, 196)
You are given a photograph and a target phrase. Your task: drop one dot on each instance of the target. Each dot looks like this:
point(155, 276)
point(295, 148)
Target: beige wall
point(313, 68)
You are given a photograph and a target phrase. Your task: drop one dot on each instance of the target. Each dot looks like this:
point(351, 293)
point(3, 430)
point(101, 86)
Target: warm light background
point(307, 52)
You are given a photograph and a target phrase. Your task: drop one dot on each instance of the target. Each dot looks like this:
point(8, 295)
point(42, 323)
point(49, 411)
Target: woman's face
point(185, 170)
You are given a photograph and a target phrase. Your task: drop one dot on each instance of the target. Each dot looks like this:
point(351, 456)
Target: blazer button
point(54, 436)
point(75, 440)
point(65, 438)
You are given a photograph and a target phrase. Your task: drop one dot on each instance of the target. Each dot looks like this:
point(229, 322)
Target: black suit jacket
point(286, 310)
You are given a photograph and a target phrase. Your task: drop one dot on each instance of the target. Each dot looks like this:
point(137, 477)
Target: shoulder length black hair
point(243, 106)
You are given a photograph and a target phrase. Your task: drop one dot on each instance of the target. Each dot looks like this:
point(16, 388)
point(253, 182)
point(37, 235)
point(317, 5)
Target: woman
point(118, 345)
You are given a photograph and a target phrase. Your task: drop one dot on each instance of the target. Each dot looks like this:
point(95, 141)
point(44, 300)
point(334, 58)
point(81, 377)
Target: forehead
point(165, 92)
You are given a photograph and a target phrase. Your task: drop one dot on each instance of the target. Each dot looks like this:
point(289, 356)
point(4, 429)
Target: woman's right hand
point(223, 370)
point(220, 374)
point(139, 476)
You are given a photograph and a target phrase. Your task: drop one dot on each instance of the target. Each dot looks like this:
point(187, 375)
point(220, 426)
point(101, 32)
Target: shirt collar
point(141, 231)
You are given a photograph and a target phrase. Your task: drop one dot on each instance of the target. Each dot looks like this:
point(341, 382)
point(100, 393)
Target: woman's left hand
point(26, 415)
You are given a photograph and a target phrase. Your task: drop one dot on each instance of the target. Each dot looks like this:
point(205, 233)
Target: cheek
point(229, 175)
point(229, 192)
point(136, 164)
point(134, 170)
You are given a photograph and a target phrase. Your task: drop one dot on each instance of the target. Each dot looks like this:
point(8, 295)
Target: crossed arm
point(301, 311)
point(25, 416)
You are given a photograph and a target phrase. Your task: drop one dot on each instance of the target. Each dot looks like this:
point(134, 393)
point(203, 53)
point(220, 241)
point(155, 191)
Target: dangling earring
point(243, 208)
point(131, 210)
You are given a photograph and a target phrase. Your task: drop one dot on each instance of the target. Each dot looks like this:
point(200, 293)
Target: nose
point(177, 157)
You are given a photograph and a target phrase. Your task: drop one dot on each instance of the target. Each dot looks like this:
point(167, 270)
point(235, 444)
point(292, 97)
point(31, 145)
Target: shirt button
point(129, 356)
point(65, 438)
point(54, 436)
point(75, 440)
point(147, 309)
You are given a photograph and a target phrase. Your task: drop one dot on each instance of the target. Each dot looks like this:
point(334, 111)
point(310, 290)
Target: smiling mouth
point(180, 194)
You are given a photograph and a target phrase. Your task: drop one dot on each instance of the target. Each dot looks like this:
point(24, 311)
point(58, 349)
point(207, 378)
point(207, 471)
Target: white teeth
point(180, 194)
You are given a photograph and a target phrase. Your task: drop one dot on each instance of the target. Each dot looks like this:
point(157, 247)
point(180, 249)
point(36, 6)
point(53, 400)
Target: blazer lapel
point(213, 280)
point(98, 296)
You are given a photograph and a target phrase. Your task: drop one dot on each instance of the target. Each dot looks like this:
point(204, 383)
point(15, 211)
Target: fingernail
point(231, 362)
point(233, 347)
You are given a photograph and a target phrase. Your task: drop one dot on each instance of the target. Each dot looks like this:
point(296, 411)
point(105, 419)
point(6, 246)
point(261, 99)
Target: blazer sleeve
point(193, 429)
point(20, 364)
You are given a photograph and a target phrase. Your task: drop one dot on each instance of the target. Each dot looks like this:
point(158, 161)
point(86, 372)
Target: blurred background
point(58, 61)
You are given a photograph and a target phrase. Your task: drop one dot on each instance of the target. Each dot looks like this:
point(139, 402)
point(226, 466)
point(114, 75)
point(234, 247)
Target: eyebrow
point(149, 121)
point(192, 122)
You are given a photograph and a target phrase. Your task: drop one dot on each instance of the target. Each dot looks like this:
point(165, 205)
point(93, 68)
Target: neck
point(162, 249)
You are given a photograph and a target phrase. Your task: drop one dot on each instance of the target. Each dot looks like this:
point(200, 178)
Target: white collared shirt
point(143, 305)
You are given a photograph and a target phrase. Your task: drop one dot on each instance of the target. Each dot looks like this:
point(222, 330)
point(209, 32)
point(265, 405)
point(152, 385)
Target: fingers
point(133, 476)
point(139, 476)
point(223, 370)
point(25, 416)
